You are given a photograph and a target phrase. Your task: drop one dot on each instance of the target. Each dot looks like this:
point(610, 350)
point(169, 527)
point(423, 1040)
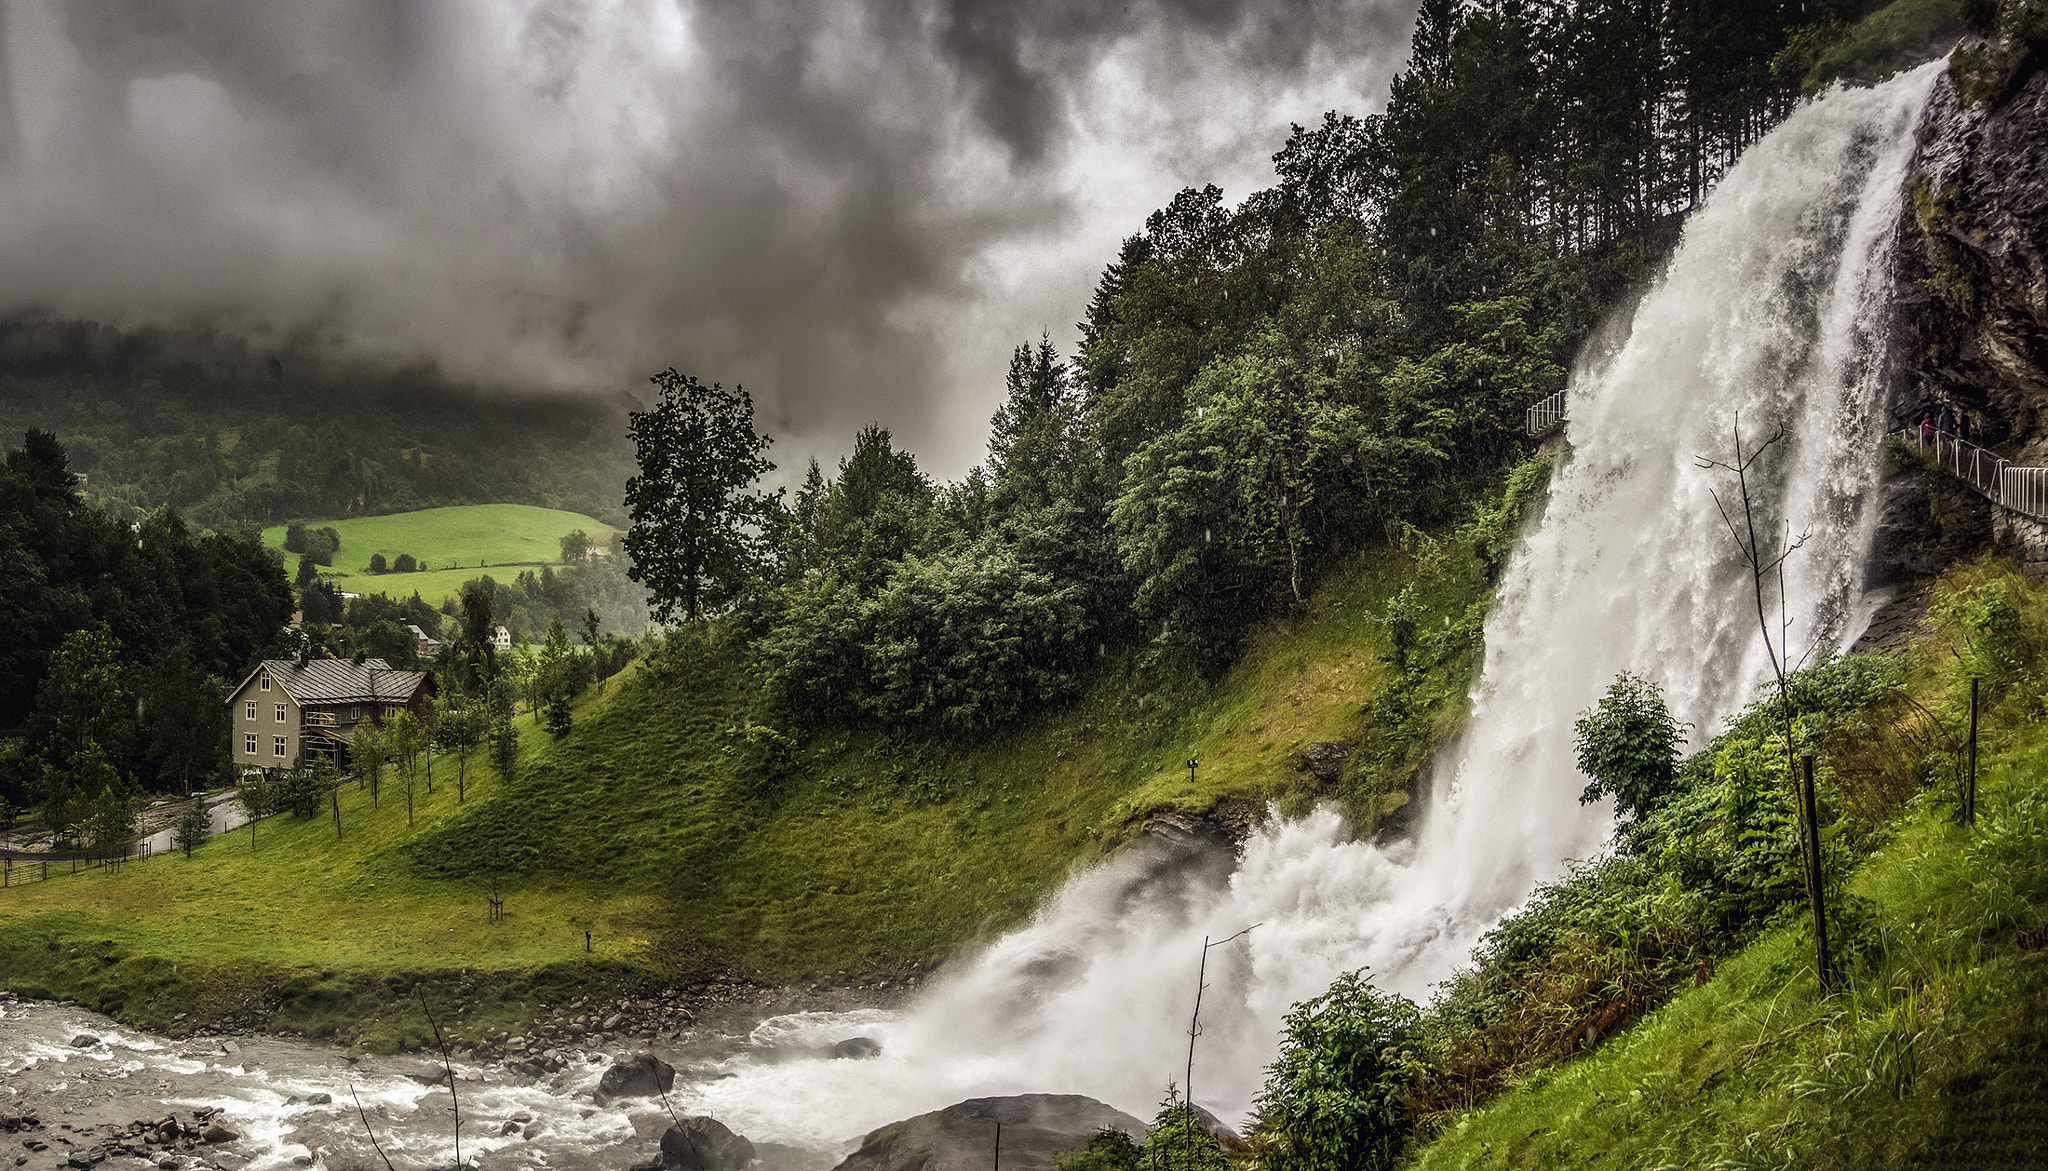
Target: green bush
point(1629, 744)
point(1332, 1098)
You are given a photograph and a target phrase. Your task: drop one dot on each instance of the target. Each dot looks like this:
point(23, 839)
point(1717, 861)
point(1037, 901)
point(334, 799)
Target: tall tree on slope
point(696, 532)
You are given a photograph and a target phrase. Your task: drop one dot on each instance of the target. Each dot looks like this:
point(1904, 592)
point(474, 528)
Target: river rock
point(430, 1075)
point(1037, 1128)
point(704, 1144)
point(319, 1099)
point(642, 1075)
point(84, 1041)
point(857, 1048)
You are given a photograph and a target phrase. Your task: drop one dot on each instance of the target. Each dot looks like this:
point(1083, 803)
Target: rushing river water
point(263, 1086)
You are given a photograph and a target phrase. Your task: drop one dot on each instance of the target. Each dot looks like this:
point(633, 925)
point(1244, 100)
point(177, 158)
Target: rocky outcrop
point(1036, 1129)
point(1973, 262)
point(1926, 521)
point(704, 1144)
point(642, 1075)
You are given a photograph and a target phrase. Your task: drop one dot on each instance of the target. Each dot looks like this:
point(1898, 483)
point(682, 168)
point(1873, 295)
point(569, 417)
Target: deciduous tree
point(696, 535)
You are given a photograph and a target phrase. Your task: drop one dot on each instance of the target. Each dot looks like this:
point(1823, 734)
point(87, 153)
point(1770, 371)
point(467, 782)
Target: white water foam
point(1773, 308)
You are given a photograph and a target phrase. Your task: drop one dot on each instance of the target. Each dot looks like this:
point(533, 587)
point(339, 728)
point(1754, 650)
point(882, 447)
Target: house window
point(249, 743)
point(249, 709)
point(391, 710)
point(266, 683)
point(277, 747)
point(280, 713)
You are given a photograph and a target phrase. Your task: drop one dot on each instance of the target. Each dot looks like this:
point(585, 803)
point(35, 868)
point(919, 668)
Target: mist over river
point(266, 1087)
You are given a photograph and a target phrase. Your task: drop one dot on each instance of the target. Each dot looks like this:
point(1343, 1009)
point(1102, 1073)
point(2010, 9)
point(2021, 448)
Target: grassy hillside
point(688, 839)
point(1932, 1048)
point(459, 536)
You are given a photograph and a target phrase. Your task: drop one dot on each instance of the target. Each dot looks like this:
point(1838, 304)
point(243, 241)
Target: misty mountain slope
point(233, 433)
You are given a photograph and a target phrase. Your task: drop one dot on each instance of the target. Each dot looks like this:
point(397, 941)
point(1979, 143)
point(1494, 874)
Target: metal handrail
point(1545, 416)
point(2016, 489)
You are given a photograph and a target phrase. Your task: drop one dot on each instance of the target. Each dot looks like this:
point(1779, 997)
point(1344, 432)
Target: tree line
point(122, 640)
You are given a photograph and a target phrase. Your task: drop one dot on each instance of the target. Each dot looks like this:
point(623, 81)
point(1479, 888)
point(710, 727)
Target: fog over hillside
point(855, 208)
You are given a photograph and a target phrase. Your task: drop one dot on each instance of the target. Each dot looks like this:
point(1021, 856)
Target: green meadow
point(459, 540)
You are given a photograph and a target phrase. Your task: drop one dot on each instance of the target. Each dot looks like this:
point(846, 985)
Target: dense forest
point(1261, 388)
point(232, 433)
point(121, 639)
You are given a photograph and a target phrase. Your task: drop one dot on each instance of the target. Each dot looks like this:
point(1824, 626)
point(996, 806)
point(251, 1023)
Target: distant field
point(433, 586)
point(455, 544)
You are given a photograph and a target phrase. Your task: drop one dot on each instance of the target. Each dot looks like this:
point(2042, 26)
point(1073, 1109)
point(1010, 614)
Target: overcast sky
point(856, 209)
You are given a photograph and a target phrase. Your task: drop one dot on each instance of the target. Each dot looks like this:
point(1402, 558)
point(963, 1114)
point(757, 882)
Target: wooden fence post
point(1970, 786)
point(1816, 885)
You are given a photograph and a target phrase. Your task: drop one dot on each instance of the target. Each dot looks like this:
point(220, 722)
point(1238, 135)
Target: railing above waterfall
point(1544, 417)
point(2018, 489)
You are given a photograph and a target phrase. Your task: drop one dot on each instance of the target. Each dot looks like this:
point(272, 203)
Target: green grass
point(1758, 1068)
point(458, 539)
point(1900, 34)
point(301, 908)
point(878, 851)
point(1933, 1050)
point(658, 827)
point(434, 586)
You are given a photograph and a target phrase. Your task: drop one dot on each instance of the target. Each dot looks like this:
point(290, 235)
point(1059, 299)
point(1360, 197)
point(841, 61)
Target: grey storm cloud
point(854, 208)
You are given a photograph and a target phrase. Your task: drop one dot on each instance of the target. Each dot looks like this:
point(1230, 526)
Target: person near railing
point(1926, 430)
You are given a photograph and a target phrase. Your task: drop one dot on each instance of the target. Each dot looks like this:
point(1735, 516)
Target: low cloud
point(855, 209)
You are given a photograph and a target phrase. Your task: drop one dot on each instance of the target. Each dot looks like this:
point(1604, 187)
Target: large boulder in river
point(704, 1144)
point(643, 1075)
point(1037, 1128)
point(857, 1048)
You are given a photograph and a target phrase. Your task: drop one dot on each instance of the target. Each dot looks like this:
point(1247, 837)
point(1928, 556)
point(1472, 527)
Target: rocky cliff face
point(1973, 261)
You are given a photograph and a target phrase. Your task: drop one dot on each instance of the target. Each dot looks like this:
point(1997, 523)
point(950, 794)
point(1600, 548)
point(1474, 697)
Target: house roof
point(343, 680)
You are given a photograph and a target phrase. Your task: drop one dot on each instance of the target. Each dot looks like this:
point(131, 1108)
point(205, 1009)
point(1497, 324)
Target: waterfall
point(1772, 308)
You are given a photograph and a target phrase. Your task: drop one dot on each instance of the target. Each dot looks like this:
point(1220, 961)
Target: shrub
point(1628, 745)
point(298, 792)
point(1331, 1097)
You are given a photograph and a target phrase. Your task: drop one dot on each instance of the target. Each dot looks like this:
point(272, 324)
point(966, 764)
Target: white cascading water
point(1773, 307)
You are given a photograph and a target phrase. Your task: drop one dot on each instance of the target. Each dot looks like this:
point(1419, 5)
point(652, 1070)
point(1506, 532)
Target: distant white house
point(501, 638)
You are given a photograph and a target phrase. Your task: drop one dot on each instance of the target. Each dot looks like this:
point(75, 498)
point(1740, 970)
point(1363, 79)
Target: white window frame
point(249, 711)
point(277, 747)
point(264, 683)
point(249, 748)
point(280, 713)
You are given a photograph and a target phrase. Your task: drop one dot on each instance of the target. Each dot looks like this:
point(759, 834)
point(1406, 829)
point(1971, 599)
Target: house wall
point(264, 725)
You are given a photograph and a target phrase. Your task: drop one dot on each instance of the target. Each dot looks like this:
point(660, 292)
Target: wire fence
point(1544, 417)
point(2017, 489)
point(22, 867)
